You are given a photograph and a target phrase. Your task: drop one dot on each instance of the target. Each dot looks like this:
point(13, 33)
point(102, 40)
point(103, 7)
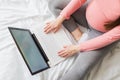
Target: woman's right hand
point(54, 26)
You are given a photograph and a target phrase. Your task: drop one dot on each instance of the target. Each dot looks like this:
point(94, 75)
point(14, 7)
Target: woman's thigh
point(83, 64)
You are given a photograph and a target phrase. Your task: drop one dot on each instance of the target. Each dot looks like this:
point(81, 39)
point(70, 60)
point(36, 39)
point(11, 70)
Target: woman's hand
point(68, 51)
point(55, 25)
point(52, 26)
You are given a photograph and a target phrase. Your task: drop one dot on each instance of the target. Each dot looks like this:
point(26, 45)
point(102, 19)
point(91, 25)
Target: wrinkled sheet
point(32, 14)
point(107, 68)
point(28, 14)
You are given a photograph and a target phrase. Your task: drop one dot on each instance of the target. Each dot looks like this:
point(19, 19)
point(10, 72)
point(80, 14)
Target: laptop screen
point(30, 52)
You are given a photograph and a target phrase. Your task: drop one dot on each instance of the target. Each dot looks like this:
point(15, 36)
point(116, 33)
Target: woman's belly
point(96, 17)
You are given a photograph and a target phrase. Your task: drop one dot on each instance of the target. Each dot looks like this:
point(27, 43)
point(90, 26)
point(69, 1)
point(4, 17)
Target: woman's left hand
point(68, 51)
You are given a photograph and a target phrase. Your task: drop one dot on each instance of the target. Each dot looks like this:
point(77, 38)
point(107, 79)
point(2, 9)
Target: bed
point(33, 14)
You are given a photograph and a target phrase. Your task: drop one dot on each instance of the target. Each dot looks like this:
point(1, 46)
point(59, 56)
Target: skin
point(54, 26)
point(77, 34)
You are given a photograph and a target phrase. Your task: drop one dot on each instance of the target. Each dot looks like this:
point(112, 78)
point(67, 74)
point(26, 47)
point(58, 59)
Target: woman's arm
point(101, 41)
point(55, 25)
point(92, 44)
point(71, 8)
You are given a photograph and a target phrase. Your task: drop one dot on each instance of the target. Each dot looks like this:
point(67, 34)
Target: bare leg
point(76, 34)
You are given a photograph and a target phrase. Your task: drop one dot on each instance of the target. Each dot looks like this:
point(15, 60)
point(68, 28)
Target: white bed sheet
point(32, 14)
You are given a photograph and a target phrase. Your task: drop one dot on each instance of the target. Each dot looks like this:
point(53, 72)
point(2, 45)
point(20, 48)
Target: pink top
point(98, 13)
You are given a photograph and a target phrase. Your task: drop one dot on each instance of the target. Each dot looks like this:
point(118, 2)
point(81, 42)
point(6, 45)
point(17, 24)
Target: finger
point(65, 55)
point(55, 30)
point(46, 28)
point(62, 54)
point(49, 30)
point(61, 51)
point(68, 55)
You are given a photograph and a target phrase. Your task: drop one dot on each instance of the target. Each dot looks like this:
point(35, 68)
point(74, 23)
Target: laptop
point(38, 54)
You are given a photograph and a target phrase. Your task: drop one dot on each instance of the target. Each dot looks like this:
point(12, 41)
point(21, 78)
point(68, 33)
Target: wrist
point(60, 19)
point(77, 48)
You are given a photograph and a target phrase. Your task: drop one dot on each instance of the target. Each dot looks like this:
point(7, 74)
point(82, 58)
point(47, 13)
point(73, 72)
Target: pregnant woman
point(101, 17)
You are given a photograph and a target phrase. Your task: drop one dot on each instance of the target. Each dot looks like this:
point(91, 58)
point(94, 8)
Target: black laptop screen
point(29, 50)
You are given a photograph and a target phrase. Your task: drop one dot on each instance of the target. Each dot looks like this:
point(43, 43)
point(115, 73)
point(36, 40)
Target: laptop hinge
point(40, 48)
